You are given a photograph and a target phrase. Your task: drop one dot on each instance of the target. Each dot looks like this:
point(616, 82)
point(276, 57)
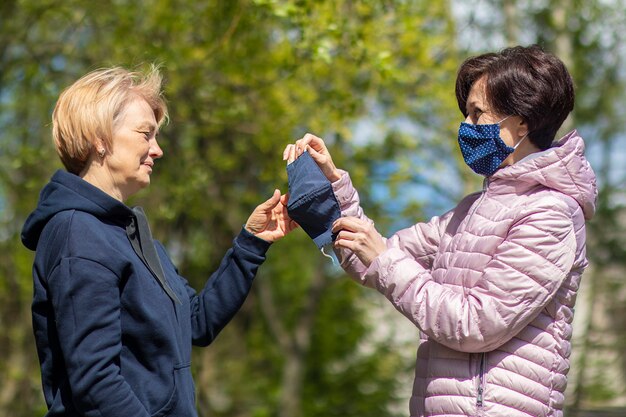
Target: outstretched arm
point(519, 280)
point(228, 287)
point(420, 242)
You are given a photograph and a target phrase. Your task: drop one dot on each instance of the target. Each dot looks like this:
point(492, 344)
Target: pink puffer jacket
point(491, 285)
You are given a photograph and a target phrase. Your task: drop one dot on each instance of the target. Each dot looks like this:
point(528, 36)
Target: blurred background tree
point(245, 77)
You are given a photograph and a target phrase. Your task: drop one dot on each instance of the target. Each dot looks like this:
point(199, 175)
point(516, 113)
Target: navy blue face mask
point(482, 147)
point(312, 202)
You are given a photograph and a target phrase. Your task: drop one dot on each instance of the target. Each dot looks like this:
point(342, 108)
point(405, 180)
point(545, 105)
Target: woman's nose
point(155, 150)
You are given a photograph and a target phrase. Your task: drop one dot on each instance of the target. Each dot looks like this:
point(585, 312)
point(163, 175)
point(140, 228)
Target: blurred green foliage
point(243, 78)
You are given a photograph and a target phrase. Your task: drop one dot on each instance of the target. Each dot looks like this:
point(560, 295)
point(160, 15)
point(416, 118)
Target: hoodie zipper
point(481, 381)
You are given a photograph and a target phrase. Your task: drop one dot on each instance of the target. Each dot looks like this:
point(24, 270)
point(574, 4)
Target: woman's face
point(512, 128)
point(134, 149)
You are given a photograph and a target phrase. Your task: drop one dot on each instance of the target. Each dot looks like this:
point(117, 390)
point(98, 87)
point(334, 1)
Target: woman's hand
point(360, 237)
point(269, 220)
point(318, 151)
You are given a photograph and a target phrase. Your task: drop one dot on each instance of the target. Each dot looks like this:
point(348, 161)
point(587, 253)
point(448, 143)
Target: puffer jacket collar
point(563, 168)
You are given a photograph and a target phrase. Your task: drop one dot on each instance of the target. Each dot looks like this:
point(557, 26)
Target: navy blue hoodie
point(111, 341)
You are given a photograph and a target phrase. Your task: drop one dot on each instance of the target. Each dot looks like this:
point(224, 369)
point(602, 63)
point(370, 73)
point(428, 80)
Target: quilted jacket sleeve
point(520, 279)
point(420, 241)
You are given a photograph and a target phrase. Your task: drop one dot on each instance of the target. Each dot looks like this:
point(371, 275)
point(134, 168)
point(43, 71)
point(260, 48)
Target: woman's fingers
point(271, 202)
point(289, 154)
point(301, 145)
point(353, 224)
point(359, 236)
point(310, 140)
point(345, 235)
point(286, 152)
point(318, 157)
point(357, 241)
point(318, 151)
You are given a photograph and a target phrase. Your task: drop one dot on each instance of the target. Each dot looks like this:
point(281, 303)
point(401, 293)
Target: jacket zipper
point(480, 200)
point(481, 380)
point(481, 366)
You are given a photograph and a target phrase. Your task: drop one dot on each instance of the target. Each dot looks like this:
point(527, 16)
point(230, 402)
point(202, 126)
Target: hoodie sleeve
point(521, 278)
point(226, 289)
point(86, 301)
point(419, 242)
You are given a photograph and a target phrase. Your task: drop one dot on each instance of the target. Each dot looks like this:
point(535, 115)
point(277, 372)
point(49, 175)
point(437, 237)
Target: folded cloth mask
point(312, 202)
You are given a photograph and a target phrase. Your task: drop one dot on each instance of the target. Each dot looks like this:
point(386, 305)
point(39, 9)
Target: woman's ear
point(100, 148)
point(522, 128)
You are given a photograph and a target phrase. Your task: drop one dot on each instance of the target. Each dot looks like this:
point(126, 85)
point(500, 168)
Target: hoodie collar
point(67, 191)
point(563, 168)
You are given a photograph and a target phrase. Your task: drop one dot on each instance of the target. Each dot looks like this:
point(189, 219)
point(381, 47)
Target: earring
point(101, 153)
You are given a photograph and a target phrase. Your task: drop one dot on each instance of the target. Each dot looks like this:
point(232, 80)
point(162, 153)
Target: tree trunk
point(511, 23)
point(291, 392)
point(563, 45)
point(294, 343)
point(582, 363)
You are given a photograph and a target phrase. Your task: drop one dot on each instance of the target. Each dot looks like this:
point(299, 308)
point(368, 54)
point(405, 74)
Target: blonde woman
point(114, 322)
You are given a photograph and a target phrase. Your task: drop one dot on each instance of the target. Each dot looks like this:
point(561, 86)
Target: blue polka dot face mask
point(482, 147)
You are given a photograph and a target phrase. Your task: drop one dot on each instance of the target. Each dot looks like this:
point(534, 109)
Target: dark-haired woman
point(491, 284)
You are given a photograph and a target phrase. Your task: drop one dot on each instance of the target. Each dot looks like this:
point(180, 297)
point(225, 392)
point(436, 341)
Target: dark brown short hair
point(523, 81)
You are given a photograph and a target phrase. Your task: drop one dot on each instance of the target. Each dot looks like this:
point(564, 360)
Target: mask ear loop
point(520, 142)
point(331, 254)
point(503, 119)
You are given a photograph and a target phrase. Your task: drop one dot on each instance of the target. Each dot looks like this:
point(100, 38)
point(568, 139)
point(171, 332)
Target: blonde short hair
point(87, 111)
